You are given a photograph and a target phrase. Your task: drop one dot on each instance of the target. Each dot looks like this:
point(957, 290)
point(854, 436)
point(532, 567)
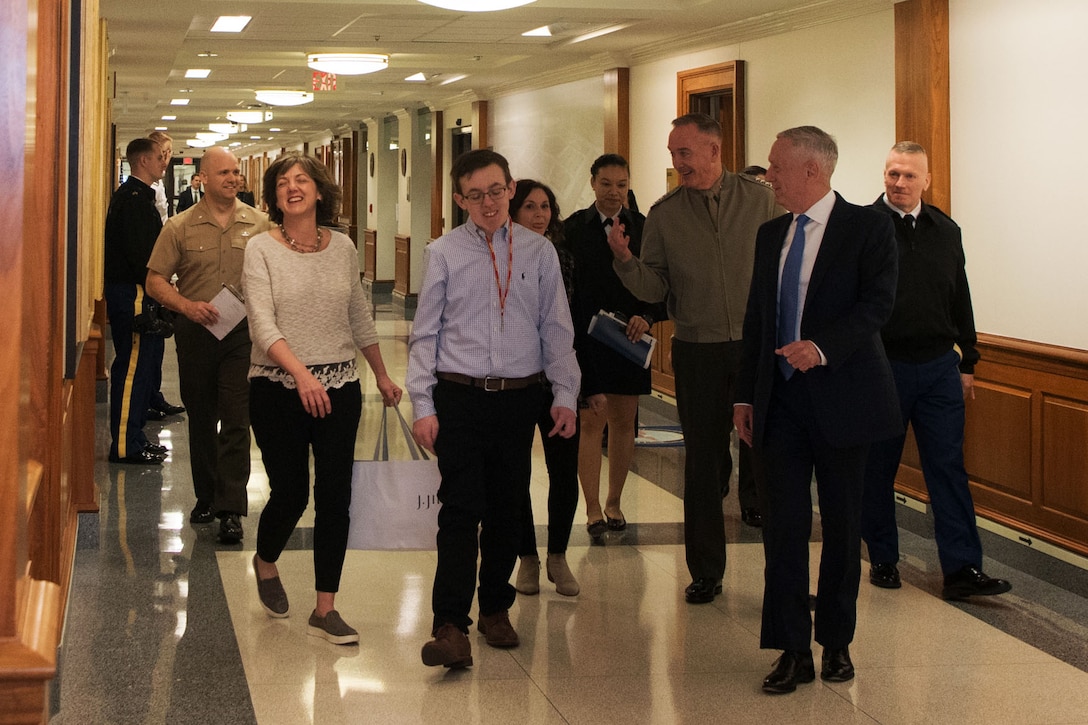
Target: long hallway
point(164, 625)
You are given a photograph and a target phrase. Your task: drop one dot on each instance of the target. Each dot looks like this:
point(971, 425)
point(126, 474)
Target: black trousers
point(484, 449)
point(706, 377)
point(561, 459)
point(215, 392)
point(793, 449)
point(286, 433)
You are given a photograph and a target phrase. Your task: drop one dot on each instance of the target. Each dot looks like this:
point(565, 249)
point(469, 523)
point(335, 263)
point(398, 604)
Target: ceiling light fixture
point(249, 116)
point(285, 98)
point(169, 118)
point(231, 23)
point(453, 79)
point(417, 78)
point(179, 101)
point(198, 72)
point(347, 64)
point(211, 136)
point(598, 33)
point(227, 128)
point(199, 143)
point(542, 32)
point(476, 6)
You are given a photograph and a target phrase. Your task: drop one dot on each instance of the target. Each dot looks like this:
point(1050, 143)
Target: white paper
point(231, 311)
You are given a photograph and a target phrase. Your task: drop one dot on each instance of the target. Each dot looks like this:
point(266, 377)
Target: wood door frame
point(722, 78)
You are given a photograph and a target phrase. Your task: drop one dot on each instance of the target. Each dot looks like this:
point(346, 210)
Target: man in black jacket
point(132, 226)
point(930, 342)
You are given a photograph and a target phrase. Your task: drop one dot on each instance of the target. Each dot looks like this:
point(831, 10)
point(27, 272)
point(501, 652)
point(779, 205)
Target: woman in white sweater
point(308, 315)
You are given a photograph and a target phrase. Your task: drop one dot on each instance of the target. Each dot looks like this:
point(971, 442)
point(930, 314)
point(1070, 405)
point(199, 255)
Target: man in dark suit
point(814, 391)
point(190, 196)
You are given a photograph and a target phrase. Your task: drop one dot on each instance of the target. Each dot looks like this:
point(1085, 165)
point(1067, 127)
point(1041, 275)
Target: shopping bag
point(394, 504)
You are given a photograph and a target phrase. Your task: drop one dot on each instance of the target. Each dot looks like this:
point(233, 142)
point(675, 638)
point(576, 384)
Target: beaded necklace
point(300, 248)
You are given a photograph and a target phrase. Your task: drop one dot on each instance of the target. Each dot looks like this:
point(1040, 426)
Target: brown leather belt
point(493, 385)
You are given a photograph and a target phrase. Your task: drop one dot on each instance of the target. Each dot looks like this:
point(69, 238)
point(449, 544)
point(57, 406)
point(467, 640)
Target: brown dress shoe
point(497, 630)
point(449, 648)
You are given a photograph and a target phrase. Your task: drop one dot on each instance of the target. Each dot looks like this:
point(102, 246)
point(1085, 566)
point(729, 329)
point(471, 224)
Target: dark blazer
point(850, 296)
point(246, 197)
point(185, 200)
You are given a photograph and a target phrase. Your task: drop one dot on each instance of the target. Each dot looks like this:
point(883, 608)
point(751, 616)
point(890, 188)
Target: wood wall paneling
point(402, 274)
point(922, 89)
point(617, 111)
point(1065, 456)
point(370, 254)
point(1000, 412)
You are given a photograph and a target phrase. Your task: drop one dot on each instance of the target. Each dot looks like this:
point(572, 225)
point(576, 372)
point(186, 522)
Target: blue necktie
point(789, 309)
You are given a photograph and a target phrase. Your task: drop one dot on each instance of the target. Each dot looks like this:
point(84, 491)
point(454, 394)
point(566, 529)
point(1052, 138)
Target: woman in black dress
point(611, 384)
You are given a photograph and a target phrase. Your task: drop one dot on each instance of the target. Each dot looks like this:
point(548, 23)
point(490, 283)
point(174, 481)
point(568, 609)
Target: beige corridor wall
point(1019, 116)
point(839, 76)
point(553, 135)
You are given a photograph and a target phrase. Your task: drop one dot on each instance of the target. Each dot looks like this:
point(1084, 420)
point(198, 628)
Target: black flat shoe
point(168, 409)
point(702, 591)
point(885, 576)
point(791, 669)
point(970, 582)
point(836, 665)
point(142, 457)
point(230, 529)
point(615, 524)
point(752, 517)
point(161, 451)
point(202, 513)
point(596, 529)
point(153, 414)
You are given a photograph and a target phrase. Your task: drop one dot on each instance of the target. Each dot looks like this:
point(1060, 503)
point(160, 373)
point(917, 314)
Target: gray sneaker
point(332, 628)
point(270, 592)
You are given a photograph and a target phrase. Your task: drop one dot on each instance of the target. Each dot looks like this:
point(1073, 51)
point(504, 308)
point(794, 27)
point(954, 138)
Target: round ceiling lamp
point(347, 64)
point(249, 116)
point(285, 98)
point(200, 143)
point(476, 6)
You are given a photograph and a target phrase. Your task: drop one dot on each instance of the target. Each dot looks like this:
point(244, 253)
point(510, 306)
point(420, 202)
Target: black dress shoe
point(161, 451)
point(202, 513)
point(752, 517)
point(596, 529)
point(702, 591)
point(790, 669)
point(836, 665)
point(619, 524)
point(168, 409)
point(230, 528)
point(970, 581)
point(153, 414)
point(142, 457)
point(885, 576)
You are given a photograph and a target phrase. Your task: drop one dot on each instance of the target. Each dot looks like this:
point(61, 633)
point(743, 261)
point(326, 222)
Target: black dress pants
point(484, 448)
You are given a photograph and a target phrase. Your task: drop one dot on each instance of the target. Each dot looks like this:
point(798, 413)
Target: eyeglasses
point(477, 197)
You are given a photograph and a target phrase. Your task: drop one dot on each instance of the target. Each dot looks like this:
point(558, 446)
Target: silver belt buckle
point(498, 381)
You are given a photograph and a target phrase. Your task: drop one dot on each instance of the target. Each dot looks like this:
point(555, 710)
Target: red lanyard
point(509, 272)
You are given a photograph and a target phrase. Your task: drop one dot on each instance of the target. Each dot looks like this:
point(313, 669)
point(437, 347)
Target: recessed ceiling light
point(254, 138)
point(179, 101)
point(418, 77)
point(160, 128)
point(284, 98)
point(542, 32)
point(275, 130)
point(476, 6)
point(231, 23)
point(235, 143)
point(198, 72)
point(169, 118)
point(207, 54)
